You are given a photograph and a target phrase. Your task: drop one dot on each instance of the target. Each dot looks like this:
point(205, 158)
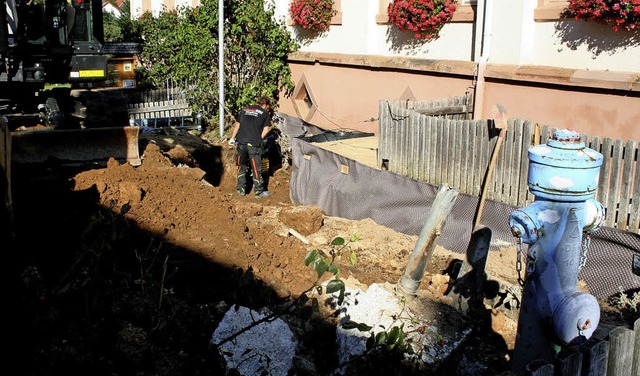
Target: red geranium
point(621, 14)
point(314, 15)
point(425, 18)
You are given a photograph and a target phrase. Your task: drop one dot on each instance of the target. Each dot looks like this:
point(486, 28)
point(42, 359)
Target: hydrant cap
point(566, 149)
point(567, 135)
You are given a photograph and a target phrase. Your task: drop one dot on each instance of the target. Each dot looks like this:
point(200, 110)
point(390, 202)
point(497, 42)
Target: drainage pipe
point(221, 66)
point(485, 19)
point(409, 283)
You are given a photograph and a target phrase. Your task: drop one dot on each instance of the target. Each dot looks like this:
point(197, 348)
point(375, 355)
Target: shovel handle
point(491, 167)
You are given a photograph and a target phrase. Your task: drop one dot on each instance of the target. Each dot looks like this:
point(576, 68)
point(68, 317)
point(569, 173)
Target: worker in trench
point(249, 132)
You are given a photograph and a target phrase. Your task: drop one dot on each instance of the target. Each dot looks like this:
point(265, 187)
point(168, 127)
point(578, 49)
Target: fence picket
point(470, 151)
point(603, 183)
point(464, 156)
point(635, 366)
point(451, 151)
point(568, 363)
point(614, 184)
point(625, 186)
point(620, 352)
point(507, 170)
point(416, 146)
point(525, 144)
point(432, 128)
point(595, 357)
point(634, 221)
point(539, 368)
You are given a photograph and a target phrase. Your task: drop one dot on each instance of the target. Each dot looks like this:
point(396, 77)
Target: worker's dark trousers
point(249, 160)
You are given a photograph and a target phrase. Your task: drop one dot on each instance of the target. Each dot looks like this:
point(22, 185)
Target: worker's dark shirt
point(252, 121)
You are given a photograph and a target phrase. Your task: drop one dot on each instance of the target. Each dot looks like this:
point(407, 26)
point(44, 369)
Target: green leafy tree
point(123, 28)
point(112, 31)
point(183, 45)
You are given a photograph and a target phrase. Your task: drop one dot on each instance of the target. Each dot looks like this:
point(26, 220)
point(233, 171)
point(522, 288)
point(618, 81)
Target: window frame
point(550, 10)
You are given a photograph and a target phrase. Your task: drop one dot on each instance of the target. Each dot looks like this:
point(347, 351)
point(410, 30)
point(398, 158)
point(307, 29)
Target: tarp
point(345, 188)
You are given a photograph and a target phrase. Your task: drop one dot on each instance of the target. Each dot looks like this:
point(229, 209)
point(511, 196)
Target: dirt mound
point(123, 270)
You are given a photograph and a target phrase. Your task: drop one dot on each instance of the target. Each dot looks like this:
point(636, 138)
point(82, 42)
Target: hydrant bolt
point(584, 324)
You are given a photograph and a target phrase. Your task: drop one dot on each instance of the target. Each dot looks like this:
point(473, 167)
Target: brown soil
point(126, 271)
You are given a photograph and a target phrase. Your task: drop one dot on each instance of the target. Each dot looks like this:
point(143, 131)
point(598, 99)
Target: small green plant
point(323, 262)
point(392, 341)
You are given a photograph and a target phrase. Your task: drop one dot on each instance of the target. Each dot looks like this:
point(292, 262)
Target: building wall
point(138, 7)
point(564, 73)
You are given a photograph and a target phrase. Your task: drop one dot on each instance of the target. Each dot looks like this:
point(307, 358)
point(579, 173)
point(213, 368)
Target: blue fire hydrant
point(563, 177)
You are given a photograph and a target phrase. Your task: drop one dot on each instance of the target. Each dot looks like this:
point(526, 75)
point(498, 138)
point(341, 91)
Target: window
point(303, 100)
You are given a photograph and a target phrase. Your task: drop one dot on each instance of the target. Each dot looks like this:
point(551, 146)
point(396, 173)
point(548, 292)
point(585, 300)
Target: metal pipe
point(409, 283)
point(485, 13)
point(221, 66)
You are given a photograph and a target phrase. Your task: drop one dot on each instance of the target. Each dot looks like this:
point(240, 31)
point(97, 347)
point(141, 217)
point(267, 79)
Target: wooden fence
point(425, 141)
point(619, 355)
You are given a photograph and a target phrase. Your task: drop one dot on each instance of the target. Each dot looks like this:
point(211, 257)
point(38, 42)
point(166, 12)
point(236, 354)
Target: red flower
point(423, 17)
point(620, 14)
point(314, 15)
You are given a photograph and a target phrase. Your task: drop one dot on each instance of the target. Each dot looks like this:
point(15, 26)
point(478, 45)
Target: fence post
point(620, 351)
point(539, 367)
point(636, 352)
point(595, 354)
point(568, 362)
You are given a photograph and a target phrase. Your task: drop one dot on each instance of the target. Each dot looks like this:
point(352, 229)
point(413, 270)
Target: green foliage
point(112, 30)
point(183, 45)
point(121, 29)
point(323, 262)
point(393, 341)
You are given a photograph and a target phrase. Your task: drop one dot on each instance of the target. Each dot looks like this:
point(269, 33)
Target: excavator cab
point(51, 41)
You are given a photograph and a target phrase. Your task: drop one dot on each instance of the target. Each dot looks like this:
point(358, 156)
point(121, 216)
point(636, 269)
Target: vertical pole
point(221, 66)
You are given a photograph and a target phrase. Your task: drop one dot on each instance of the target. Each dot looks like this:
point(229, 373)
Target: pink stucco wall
point(595, 114)
point(347, 97)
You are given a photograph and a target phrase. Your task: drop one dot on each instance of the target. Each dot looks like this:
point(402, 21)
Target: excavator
point(48, 49)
